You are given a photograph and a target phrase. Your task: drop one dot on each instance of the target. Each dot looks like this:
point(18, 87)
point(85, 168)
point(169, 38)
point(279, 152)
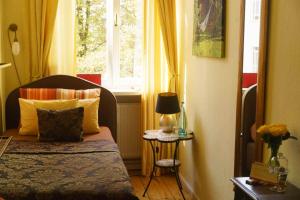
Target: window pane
point(130, 38)
point(251, 35)
point(91, 36)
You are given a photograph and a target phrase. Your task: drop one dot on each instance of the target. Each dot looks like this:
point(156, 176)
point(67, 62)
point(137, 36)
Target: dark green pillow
point(62, 125)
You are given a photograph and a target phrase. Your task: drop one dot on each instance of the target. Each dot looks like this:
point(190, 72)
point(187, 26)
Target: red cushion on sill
point(94, 78)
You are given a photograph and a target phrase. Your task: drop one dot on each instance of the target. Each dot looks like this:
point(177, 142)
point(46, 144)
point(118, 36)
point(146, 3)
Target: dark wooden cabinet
point(244, 191)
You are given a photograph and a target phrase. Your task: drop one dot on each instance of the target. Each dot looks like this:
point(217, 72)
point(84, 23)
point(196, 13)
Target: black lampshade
point(167, 103)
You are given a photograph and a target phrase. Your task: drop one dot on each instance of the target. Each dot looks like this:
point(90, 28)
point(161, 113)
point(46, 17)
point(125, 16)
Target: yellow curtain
point(62, 54)
point(156, 80)
point(41, 26)
point(167, 14)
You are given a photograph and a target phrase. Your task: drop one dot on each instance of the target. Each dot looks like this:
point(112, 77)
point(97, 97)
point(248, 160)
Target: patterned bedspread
point(87, 170)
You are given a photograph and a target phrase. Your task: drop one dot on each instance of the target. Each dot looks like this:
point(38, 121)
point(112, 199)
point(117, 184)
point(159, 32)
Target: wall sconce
point(15, 46)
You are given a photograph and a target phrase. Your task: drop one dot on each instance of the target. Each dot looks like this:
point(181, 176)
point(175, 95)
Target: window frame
point(112, 77)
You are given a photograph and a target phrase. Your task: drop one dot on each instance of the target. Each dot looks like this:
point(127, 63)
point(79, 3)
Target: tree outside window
point(92, 43)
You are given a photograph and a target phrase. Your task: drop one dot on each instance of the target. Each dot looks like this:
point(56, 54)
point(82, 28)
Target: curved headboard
point(247, 121)
point(107, 106)
point(248, 112)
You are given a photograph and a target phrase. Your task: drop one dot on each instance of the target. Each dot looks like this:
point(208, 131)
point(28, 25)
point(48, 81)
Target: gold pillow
point(90, 116)
point(28, 113)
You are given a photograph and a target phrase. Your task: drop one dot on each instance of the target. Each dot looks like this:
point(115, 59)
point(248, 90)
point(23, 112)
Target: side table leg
point(151, 176)
point(178, 179)
point(153, 169)
point(179, 183)
point(176, 169)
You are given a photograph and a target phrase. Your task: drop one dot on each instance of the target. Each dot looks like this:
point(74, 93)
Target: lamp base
point(167, 123)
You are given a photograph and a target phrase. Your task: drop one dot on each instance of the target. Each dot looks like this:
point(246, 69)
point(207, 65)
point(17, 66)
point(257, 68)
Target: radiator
point(129, 136)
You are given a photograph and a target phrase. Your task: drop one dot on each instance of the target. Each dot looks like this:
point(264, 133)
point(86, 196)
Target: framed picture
point(209, 28)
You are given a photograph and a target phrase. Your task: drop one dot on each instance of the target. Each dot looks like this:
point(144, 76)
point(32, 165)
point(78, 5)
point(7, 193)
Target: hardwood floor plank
point(157, 189)
point(138, 187)
point(162, 187)
point(173, 188)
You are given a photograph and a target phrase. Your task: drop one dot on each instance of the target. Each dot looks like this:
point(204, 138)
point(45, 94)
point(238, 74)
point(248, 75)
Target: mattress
point(92, 169)
point(103, 134)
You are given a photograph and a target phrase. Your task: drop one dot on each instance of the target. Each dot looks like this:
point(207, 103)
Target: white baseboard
point(188, 188)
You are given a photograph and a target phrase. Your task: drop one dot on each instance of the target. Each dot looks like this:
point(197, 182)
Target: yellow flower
point(273, 129)
point(278, 129)
point(263, 129)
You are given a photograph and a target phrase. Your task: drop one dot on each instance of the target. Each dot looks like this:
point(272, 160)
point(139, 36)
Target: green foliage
point(128, 37)
point(273, 141)
point(276, 141)
point(91, 35)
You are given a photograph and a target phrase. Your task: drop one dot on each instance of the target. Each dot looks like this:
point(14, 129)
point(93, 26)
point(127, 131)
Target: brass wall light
point(15, 47)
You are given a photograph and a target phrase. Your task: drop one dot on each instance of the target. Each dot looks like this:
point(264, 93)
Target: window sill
point(126, 93)
point(128, 97)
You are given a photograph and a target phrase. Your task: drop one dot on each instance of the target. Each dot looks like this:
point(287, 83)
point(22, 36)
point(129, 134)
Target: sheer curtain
point(41, 26)
point(156, 80)
point(62, 54)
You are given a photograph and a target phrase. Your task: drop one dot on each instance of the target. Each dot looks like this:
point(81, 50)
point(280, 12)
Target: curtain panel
point(62, 58)
point(167, 16)
point(41, 25)
point(159, 70)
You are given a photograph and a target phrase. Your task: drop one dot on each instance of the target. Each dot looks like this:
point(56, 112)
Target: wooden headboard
point(247, 121)
point(107, 107)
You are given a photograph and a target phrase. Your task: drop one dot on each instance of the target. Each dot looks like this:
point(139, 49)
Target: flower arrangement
point(273, 135)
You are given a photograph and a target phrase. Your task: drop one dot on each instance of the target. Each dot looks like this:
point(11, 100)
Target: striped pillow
point(88, 93)
point(58, 93)
point(38, 93)
point(65, 93)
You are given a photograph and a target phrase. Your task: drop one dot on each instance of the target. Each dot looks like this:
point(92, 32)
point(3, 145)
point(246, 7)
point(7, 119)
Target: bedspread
point(89, 170)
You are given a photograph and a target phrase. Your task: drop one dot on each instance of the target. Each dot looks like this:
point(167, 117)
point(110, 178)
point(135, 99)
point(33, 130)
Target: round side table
point(173, 163)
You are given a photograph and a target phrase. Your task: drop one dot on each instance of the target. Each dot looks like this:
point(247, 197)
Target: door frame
point(261, 83)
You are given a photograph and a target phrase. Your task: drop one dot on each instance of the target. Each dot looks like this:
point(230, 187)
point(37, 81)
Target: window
point(109, 41)
point(251, 35)
point(255, 58)
point(256, 9)
point(91, 36)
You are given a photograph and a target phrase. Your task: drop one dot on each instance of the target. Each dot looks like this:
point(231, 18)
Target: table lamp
point(167, 105)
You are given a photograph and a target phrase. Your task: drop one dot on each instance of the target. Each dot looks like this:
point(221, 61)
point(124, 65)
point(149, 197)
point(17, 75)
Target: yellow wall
point(283, 84)
point(16, 11)
point(211, 90)
point(1, 83)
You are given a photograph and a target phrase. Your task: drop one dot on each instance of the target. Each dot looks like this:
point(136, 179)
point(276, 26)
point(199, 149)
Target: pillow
point(38, 93)
point(28, 115)
point(65, 93)
point(88, 93)
point(58, 104)
point(58, 93)
point(90, 117)
point(77, 94)
point(63, 125)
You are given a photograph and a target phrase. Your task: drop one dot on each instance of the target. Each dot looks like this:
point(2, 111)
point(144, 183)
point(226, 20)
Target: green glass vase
point(182, 122)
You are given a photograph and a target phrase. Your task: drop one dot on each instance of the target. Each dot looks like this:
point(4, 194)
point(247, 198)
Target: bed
point(91, 169)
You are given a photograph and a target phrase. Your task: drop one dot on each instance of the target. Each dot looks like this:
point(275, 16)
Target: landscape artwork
point(209, 28)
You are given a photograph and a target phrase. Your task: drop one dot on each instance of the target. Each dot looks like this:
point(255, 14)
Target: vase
point(182, 122)
point(273, 161)
point(281, 172)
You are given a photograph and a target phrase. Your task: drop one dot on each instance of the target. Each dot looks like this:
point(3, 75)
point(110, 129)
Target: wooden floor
point(163, 187)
